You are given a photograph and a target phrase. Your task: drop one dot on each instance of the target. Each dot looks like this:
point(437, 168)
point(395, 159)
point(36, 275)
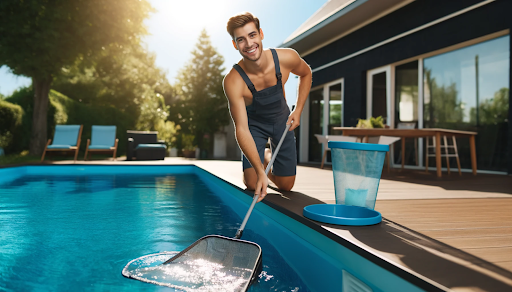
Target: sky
point(175, 27)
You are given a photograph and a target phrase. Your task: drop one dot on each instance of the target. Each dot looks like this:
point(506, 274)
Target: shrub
point(11, 116)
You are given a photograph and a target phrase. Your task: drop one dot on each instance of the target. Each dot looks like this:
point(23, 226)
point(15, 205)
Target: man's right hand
point(261, 186)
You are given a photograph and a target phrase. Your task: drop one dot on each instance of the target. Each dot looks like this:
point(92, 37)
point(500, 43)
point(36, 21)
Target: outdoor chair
point(65, 139)
point(144, 145)
point(103, 140)
point(384, 140)
point(324, 139)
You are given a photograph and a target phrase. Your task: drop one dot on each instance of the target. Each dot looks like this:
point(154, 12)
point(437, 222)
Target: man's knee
point(285, 183)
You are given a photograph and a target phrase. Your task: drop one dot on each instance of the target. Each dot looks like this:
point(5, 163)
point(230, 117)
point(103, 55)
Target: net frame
point(256, 266)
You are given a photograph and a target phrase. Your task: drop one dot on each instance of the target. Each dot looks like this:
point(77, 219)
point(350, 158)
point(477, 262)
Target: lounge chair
point(144, 145)
point(103, 140)
point(65, 139)
point(324, 139)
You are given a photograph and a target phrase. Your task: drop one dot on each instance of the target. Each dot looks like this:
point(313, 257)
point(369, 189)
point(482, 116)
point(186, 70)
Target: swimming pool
point(63, 227)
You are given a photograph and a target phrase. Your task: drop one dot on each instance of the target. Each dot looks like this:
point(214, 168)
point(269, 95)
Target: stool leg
point(456, 153)
point(446, 152)
point(426, 156)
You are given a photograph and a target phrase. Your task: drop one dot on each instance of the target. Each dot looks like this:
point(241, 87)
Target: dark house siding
point(487, 19)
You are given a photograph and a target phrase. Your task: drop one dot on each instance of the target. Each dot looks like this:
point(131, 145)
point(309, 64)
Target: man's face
point(247, 40)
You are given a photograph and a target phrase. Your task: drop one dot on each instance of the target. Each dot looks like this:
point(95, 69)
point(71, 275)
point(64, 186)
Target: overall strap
point(245, 78)
point(276, 64)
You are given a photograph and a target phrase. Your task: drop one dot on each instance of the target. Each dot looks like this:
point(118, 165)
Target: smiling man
point(257, 102)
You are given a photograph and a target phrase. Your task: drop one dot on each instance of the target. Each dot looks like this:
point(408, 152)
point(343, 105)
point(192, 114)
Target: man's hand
point(261, 186)
point(294, 118)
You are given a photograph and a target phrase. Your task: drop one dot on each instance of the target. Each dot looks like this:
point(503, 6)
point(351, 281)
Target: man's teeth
point(252, 51)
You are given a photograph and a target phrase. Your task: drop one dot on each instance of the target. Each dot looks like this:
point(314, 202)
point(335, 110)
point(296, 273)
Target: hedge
point(11, 116)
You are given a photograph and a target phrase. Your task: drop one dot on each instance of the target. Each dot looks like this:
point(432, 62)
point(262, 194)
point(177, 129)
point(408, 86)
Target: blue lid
point(342, 214)
point(358, 146)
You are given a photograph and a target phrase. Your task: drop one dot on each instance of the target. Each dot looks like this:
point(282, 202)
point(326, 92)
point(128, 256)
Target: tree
point(442, 108)
point(493, 110)
point(39, 37)
point(115, 77)
point(201, 108)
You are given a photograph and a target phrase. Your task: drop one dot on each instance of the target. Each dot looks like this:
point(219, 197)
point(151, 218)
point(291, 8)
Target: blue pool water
point(69, 233)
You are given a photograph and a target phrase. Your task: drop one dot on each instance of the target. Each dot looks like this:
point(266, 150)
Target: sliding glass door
point(468, 89)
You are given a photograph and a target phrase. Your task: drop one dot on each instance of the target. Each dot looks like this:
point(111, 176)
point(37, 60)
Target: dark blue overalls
point(267, 116)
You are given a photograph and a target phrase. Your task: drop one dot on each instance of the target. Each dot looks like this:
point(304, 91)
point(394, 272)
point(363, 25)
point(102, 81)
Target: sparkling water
point(72, 233)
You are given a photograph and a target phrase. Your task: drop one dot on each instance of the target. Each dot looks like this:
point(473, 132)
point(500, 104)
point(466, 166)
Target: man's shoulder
point(287, 56)
point(286, 52)
point(232, 79)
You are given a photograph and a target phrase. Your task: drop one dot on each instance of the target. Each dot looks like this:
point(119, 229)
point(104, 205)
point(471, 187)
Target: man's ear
point(261, 33)
point(234, 44)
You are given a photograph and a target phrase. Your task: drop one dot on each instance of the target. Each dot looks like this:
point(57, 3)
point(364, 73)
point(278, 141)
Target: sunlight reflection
point(188, 275)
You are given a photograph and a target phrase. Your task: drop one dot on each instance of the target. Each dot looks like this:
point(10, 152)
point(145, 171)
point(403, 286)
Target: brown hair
point(241, 20)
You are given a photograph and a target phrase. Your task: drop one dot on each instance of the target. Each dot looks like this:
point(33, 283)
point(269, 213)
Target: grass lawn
point(25, 158)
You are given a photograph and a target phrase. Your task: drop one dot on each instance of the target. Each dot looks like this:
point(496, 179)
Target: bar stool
point(446, 153)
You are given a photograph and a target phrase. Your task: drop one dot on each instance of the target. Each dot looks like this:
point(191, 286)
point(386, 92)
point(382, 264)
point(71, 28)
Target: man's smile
point(251, 50)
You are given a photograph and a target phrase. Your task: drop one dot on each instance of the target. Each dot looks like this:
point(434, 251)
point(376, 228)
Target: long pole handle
point(267, 170)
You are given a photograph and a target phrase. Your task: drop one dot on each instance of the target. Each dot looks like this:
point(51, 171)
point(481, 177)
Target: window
point(468, 89)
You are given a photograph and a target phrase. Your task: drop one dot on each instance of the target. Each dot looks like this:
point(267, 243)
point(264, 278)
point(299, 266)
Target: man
point(255, 92)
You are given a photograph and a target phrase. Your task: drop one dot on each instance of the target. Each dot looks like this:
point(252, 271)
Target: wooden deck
point(454, 231)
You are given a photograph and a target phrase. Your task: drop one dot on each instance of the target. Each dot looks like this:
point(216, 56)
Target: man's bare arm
point(299, 67)
point(243, 135)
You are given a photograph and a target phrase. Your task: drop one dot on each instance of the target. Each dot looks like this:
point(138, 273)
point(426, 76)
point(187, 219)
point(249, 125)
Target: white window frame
point(389, 69)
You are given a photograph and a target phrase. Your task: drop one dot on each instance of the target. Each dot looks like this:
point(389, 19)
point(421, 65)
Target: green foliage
point(372, 122)
point(40, 37)
point(201, 108)
point(377, 122)
point(10, 116)
point(492, 111)
point(63, 110)
point(10, 120)
point(364, 124)
point(153, 117)
point(16, 159)
point(442, 106)
point(116, 77)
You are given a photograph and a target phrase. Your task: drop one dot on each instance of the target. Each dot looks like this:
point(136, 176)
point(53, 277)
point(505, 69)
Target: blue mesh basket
point(357, 168)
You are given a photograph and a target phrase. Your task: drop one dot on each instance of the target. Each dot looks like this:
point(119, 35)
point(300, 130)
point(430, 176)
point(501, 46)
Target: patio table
point(417, 133)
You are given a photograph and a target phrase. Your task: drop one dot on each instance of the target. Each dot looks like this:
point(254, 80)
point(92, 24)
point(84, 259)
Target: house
point(433, 63)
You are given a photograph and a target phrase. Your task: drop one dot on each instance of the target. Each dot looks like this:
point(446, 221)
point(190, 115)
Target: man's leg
point(284, 183)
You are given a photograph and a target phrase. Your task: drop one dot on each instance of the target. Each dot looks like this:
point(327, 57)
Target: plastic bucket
point(357, 168)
